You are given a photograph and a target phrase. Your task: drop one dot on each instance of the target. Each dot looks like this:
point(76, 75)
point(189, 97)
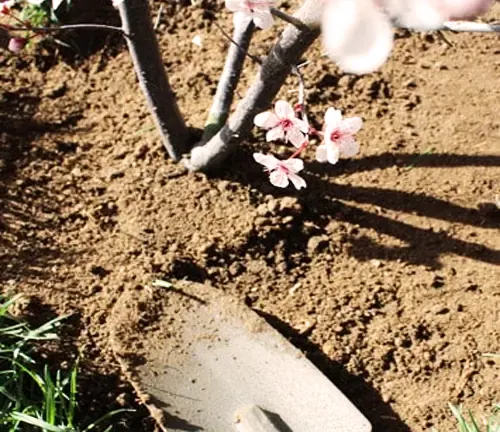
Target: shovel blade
point(222, 358)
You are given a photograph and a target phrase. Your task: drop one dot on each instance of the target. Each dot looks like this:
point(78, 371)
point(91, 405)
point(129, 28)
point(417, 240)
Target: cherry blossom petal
point(295, 136)
point(332, 153)
point(266, 120)
point(297, 181)
point(321, 153)
point(262, 18)
point(241, 19)
point(351, 125)
point(269, 161)
point(275, 134)
point(464, 9)
point(235, 5)
point(279, 178)
point(357, 35)
point(16, 44)
point(293, 165)
point(302, 125)
point(333, 116)
point(348, 146)
point(417, 14)
point(284, 110)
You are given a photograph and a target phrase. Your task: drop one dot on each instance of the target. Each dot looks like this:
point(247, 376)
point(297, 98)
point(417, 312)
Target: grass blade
point(25, 418)
point(105, 417)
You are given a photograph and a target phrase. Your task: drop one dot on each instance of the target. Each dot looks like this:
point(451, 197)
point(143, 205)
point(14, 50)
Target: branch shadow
point(407, 160)
point(324, 201)
point(367, 399)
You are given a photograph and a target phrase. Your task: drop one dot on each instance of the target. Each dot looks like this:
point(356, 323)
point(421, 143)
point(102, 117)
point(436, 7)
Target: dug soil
point(384, 271)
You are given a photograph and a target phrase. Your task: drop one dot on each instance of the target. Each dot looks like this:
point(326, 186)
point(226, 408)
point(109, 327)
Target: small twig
point(236, 44)
point(290, 19)
point(470, 26)
point(444, 38)
point(460, 26)
point(469, 370)
point(302, 93)
point(71, 27)
point(303, 108)
point(158, 17)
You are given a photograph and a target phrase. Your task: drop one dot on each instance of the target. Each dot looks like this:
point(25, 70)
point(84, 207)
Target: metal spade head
point(212, 364)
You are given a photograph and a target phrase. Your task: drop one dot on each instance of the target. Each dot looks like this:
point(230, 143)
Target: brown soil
point(384, 271)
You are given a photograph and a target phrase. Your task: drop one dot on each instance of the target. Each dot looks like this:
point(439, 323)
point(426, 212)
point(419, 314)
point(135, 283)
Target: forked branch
point(286, 53)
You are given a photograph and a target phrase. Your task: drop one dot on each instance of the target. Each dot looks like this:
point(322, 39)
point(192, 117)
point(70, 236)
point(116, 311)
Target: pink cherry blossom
point(282, 124)
point(338, 137)
point(358, 35)
point(247, 10)
point(5, 7)
point(282, 172)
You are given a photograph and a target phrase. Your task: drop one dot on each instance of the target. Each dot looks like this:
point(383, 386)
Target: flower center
point(286, 123)
point(283, 168)
point(335, 135)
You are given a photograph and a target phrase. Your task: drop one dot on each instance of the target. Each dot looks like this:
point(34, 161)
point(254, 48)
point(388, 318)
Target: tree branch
point(470, 26)
point(290, 19)
point(70, 27)
point(286, 52)
point(229, 79)
point(148, 64)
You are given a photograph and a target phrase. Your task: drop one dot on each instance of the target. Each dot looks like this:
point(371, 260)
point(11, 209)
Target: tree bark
point(145, 52)
point(229, 79)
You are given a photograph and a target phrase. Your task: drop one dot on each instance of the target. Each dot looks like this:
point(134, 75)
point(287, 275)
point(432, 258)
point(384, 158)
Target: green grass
point(467, 423)
point(31, 398)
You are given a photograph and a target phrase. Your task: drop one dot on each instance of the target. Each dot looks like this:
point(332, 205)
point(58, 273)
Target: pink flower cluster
point(358, 34)
point(258, 11)
point(337, 140)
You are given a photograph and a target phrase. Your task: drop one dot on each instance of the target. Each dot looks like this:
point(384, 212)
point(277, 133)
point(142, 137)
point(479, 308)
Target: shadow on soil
point(323, 201)
point(27, 210)
point(77, 45)
point(358, 391)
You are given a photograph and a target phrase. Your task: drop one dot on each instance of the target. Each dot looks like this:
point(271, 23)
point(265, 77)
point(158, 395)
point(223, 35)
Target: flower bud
point(5, 7)
point(16, 44)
